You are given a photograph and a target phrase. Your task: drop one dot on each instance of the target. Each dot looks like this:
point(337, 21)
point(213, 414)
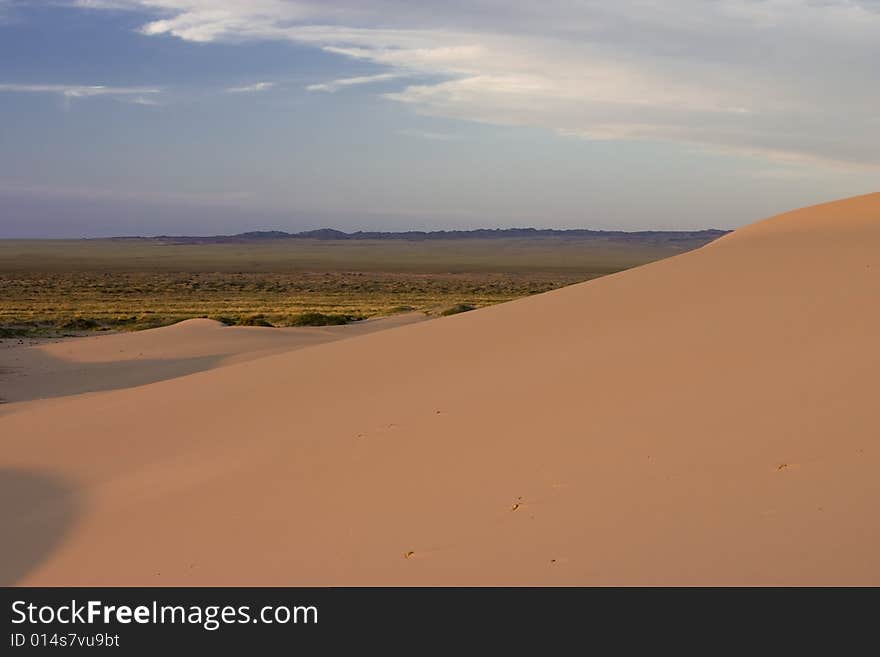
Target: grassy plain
point(51, 286)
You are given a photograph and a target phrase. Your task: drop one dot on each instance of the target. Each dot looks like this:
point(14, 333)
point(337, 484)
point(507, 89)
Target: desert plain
point(710, 418)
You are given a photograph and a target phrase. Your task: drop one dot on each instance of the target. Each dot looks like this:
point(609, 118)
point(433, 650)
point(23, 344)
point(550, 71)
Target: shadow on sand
point(36, 512)
point(58, 378)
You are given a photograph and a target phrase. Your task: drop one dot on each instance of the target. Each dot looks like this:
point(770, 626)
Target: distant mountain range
point(652, 236)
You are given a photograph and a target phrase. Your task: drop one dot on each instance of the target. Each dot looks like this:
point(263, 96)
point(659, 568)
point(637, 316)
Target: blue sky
point(215, 116)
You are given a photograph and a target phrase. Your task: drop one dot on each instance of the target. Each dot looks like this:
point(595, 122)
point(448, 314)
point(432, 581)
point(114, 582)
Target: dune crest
point(856, 217)
point(706, 419)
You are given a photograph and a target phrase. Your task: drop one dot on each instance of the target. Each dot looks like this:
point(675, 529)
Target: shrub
point(254, 320)
point(323, 319)
point(457, 308)
point(79, 324)
point(122, 321)
point(11, 332)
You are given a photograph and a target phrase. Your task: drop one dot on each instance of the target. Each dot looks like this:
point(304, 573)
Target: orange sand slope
point(707, 419)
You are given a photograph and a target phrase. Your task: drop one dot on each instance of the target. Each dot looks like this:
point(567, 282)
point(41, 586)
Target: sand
point(38, 369)
point(704, 420)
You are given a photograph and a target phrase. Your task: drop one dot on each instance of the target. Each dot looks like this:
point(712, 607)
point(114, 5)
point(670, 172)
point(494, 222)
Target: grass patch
point(92, 285)
point(130, 301)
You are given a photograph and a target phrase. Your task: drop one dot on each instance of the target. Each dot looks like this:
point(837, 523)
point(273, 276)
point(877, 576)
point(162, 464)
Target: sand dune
point(708, 419)
point(69, 366)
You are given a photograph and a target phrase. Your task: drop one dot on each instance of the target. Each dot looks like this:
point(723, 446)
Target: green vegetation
point(73, 302)
point(87, 285)
point(324, 319)
point(510, 255)
point(253, 320)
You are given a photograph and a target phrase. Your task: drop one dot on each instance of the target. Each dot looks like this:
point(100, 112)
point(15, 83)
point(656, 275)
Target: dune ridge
point(70, 366)
point(706, 419)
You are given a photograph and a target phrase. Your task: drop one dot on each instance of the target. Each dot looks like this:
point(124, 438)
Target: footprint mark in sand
point(386, 427)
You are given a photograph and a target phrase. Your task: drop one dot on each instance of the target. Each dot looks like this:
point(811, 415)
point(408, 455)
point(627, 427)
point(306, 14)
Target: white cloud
point(251, 88)
point(335, 85)
point(143, 100)
point(782, 77)
point(77, 91)
point(135, 95)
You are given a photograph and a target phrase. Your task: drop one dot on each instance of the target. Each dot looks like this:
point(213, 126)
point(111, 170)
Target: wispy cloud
point(136, 95)
point(425, 134)
point(18, 188)
point(251, 88)
point(144, 100)
point(790, 77)
point(335, 85)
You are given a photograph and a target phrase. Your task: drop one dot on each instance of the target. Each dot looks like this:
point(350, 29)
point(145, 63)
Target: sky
point(146, 117)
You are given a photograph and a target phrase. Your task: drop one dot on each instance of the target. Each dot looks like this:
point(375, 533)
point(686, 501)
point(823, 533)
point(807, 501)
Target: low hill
point(651, 237)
